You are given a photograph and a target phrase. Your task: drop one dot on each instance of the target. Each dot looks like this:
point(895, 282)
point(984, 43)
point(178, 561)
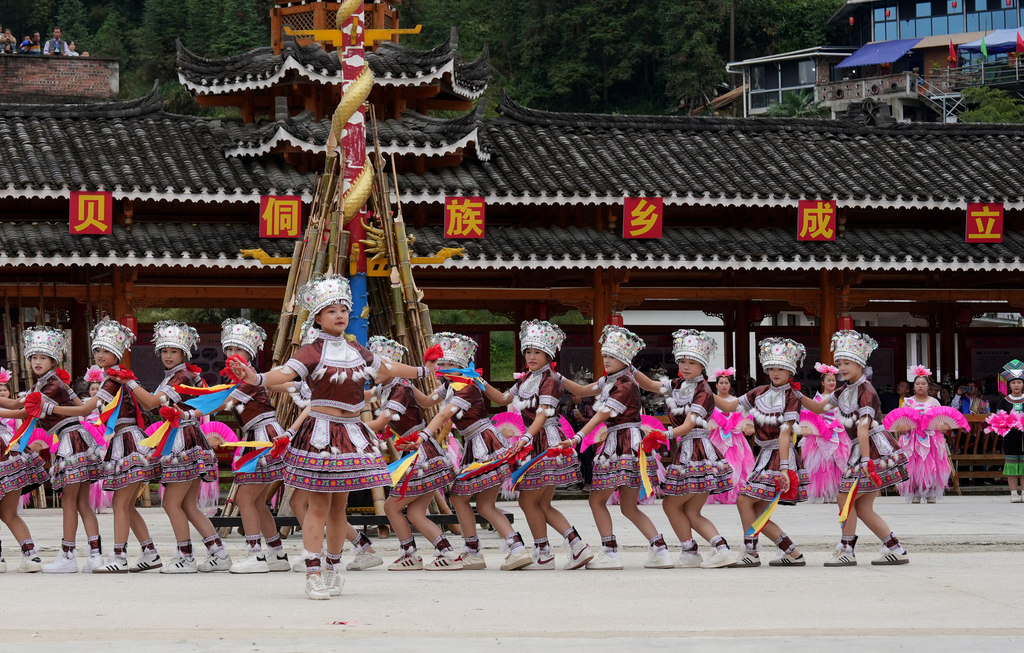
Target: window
point(923, 9)
point(757, 77)
point(808, 73)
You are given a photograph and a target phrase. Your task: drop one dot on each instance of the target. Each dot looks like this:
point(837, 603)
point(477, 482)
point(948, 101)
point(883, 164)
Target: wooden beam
point(1014, 296)
point(634, 293)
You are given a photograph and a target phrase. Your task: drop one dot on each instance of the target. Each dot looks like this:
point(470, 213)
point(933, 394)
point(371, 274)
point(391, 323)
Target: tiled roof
point(413, 133)
point(542, 157)
point(204, 245)
point(392, 65)
point(724, 248)
point(700, 248)
point(135, 150)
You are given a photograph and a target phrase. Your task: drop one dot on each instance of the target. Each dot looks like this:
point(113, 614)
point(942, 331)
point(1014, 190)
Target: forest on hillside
point(612, 56)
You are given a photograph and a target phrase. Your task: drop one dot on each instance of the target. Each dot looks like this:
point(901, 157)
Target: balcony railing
point(848, 90)
point(910, 85)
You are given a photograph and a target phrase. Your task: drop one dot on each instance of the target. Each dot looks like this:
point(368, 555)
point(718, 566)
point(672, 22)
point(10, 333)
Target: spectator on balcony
point(73, 50)
point(31, 45)
point(56, 45)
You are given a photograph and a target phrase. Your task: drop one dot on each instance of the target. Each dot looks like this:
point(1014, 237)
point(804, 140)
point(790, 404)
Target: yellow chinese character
point(643, 218)
point(817, 221)
point(91, 213)
point(281, 217)
point(465, 218)
point(984, 228)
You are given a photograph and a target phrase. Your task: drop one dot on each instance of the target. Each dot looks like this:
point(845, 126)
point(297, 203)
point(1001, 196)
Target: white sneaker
point(841, 557)
point(407, 563)
point(3, 566)
point(332, 581)
point(146, 562)
point(519, 560)
point(542, 560)
point(64, 564)
point(688, 560)
point(115, 566)
point(658, 559)
point(788, 560)
point(279, 562)
point(30, 565)
point(180, 566)
point(299, 565)
point(443, 562)
point(719, 559)
point(747, 559)
point(214, 563)
point(315, 588)
point(579, 555)
point(93, 562)
point(254, 563)
point(364, 560)
point(605, 561)
point(889, 557)
point(472, 560)
point(916, 500)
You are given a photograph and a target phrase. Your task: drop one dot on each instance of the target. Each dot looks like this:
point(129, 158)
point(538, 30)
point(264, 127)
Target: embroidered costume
point(330, 453)
point(616, 463)
point(126, 461)
point(20, 471)
point(854, 402)
point(540, 391)
point(433, 469)
point(928, 466)
point(696, 465)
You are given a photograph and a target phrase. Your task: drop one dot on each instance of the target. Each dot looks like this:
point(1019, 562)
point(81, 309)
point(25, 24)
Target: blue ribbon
point(468, 372)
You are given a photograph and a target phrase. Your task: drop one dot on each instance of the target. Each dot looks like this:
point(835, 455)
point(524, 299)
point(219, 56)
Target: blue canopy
point(1001, 40)
point(879, 52)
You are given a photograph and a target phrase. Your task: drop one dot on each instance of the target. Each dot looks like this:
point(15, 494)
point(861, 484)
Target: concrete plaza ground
point(964, 590)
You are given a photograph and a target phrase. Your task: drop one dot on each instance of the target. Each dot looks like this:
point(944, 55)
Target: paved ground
point(963, 590)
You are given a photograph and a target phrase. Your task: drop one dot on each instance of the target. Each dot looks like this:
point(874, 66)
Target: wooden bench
point(973, 449)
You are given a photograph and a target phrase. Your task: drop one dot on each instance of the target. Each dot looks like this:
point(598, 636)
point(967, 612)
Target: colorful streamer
point(207, 400)
point(762, 519)
point(27, 426)
point(162, 440)
point(646, 488)
point(109, 414)
point(844, 514)
point(246, 463)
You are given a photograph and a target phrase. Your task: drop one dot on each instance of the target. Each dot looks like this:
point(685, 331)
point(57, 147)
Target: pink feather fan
point(902, 420)
point(511, 425)
point(221, 430)
point(812, 424)
point(943, 418)
point(1002, 423)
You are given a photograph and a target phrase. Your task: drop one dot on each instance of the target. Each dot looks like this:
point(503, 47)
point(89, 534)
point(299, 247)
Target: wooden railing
point(973, 450)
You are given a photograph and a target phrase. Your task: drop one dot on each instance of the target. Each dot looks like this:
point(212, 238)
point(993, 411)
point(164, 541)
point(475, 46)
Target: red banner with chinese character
point(91, 213)
point(984, 223)
point(642, 217)
point(280, 216)
point(816, 220)
point(463, 217)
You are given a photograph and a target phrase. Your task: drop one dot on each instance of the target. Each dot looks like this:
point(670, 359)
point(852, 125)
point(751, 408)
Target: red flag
point(952, 51)
point(1020, 44)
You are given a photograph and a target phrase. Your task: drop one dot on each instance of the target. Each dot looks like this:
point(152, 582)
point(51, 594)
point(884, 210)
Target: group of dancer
point(332, 449)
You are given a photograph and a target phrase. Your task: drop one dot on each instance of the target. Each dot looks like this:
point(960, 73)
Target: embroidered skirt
point(127, 462)
point(19, 472)
point(334, 454)
point(268, 470)
point(616, 464)
point(555, 471)
point(192, 457)
point(697, 468)
point(761, 483)
point(890, 463)
point(78, 459)
point(485, 447)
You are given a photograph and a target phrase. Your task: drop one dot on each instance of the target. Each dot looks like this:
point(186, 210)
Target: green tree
point(796, 104)
point(71, 16)
point(991, 105)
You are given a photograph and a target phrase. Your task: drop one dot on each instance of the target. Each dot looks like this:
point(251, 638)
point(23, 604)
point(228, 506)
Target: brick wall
point(39, 79)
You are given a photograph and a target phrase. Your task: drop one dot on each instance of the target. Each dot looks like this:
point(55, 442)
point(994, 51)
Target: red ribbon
point(63, 375)
point(227, 372)
point(171, 415)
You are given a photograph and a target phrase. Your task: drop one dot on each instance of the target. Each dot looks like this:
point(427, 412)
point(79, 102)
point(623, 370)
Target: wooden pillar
point(80, 355)
point(933, 344)
point(742, 345)
point(121, 287)
point(729, 353)
point(947, 356)
point(828, 325)
point(602, 313)
point(963, 356)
